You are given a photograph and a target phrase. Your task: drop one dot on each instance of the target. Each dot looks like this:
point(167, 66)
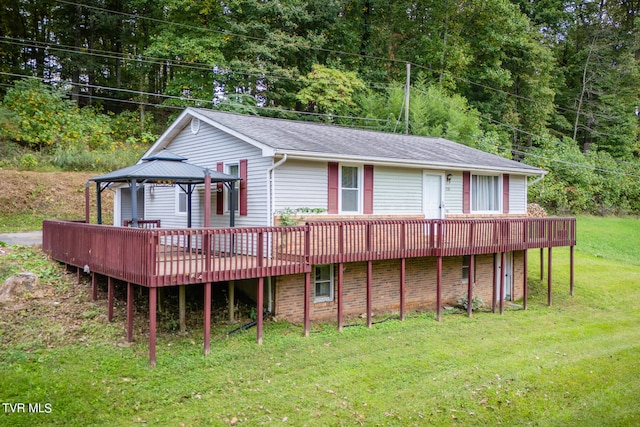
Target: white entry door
point(508, 276)
point(433, 202)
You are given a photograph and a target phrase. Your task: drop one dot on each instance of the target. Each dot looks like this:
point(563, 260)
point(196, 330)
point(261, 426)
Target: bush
point(38, 117)
point(28, 162)
point(476, 303)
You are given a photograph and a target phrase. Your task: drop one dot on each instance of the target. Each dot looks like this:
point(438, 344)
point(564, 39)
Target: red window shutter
point(219, 193)
point(466, 192)
point(332, 179)
point(243, 187)
point(505, 193)
point(368, 189)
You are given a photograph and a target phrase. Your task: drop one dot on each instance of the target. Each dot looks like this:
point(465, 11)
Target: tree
point(330, 91)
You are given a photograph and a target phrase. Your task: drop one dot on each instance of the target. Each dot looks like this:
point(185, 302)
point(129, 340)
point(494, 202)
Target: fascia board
point(328, 157)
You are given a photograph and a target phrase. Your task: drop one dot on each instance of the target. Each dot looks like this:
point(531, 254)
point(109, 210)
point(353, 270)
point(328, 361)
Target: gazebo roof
point(164, 166)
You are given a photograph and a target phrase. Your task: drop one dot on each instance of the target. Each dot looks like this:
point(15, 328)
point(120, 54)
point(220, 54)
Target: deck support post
point(79, 275)
point(541, 264)
point(207, 318)
point(439, 288)
point(260, 310)
point(109, 299)
point(470, 286)
point(129, 312)
point(494, 297)
point(549, 276)
point(232, 299)
point(369, 293)
point(403, 266)
point(94, 286)
point(502, 262)
point(525, 280)
point(571, 269)
point(307, 295)
point(152, 325)
point(339, 290)
point(182, 308)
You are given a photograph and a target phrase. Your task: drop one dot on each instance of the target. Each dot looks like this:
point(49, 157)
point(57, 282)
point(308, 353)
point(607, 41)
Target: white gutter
point(408, 163)
point(535, 181)
point(271, 192)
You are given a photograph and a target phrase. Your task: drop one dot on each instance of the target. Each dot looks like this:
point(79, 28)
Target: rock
point(20, 285)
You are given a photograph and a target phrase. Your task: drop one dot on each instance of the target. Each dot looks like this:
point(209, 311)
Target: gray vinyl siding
point(397, 190)
point(205, 149)
point(517, 194)
point(301, 184)
point(453, 193)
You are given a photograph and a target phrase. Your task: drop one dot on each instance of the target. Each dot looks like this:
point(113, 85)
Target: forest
point(88, 85)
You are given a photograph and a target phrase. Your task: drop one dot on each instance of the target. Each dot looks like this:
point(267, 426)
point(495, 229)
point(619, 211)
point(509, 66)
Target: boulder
point(20, 285)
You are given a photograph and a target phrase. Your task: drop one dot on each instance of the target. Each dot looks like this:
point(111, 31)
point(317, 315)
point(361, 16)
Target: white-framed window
point(486, 193)
point(233, 169)
point(323, 283)
point(466, 262)
point(181, 201)
point(350, 189)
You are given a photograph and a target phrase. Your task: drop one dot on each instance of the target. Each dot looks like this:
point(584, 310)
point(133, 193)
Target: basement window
point(466, 261)
point(323, 283)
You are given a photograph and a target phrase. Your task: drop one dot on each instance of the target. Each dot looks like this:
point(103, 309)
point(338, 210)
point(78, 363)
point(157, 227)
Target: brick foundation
point(420, 287)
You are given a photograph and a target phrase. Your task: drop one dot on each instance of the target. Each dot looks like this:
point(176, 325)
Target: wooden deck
point(157, 257)
point(167, 257)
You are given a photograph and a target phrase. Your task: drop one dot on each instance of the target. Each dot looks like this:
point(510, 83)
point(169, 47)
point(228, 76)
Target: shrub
point(476, 303)
point(28, 162)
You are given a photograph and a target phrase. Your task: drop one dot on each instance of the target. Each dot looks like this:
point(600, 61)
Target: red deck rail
point(165, 257)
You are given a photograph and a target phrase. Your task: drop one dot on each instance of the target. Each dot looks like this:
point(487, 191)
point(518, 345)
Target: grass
point(573, 364)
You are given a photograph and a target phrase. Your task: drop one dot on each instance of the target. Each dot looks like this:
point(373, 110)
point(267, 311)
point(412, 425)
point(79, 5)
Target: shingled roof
point(324, 141)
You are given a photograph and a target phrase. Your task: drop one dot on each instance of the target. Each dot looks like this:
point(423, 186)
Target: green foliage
point(28, 162)
point(28, 259)
point(476, 303)
point(39, 117)
point(330, 91)
point(589, 183)
point(290, 216)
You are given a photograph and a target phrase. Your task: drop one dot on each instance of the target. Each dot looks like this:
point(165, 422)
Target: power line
point(524, 153)
point(190, 100)
point(333, 51)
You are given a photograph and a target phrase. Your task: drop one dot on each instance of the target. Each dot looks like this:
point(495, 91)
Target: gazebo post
point(207, 198)
point(98, 202)
point(87, 201)
point(133, 189)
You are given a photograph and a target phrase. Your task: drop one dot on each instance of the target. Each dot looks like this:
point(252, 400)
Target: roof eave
point(329, 157)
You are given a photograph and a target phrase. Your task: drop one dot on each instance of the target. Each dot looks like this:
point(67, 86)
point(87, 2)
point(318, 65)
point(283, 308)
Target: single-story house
point(387, 222)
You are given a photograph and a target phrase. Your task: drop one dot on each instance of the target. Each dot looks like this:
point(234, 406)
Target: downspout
point(535, 181)
point(271, 193)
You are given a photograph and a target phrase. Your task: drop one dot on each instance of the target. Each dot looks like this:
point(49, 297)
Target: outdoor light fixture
point(449, 176)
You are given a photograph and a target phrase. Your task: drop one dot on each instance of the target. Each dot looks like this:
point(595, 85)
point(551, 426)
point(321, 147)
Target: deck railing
point(165, 257)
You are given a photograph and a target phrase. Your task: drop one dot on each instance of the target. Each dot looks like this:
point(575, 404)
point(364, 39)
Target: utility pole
point(407, 88)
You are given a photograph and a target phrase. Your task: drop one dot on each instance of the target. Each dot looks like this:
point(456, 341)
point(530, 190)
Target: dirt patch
point(55, 195)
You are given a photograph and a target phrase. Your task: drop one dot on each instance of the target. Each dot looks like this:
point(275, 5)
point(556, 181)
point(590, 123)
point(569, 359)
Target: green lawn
point(573, 364)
